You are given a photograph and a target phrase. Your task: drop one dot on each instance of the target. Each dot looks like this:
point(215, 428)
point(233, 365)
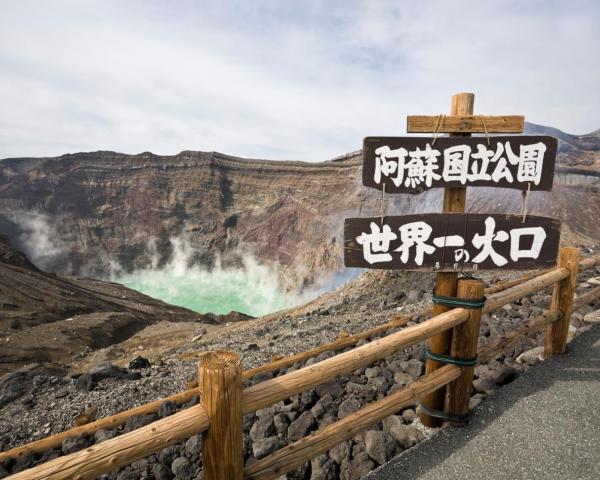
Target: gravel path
point(544, 425)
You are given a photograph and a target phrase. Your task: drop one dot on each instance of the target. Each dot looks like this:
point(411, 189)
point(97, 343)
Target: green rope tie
point(461, 362)
point(459, 302)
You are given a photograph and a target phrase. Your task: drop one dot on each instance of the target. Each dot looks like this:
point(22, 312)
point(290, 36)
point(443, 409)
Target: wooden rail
point(527, 288)
point(114, 421)
point(586, 298)
point(125, 449)
point(122, 450)
point(266, 393)
point(107, 423)
point(512, 339)
point(326, 438)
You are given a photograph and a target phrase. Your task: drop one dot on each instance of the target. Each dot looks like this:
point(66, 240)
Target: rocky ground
point(36, 405)
point(74, 315)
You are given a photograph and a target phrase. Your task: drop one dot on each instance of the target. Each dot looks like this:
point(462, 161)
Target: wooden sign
point(465, 123)
point(415, 164)
point(451, 242)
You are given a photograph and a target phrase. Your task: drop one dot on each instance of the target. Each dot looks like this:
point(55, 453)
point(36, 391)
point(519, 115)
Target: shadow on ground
point(544, 425)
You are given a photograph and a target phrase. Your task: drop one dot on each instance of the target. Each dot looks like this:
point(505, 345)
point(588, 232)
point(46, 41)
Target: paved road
point(544, 425)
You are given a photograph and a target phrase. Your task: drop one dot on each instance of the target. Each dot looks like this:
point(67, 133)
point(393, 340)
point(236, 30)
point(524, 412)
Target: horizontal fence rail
point(297, 453)
point(527, 288)
point(122, 450)
point(108, 423)
point(279, 388)
point(120, 418)
point(125, 449)
point(512, 339)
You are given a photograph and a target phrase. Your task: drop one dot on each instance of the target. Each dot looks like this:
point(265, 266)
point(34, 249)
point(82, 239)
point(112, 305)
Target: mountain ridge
point(105, 208)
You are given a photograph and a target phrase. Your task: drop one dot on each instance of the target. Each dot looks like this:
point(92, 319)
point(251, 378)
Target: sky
point(301, 80)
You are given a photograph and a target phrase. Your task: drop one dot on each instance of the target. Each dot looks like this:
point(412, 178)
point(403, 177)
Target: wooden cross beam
point(465, 123)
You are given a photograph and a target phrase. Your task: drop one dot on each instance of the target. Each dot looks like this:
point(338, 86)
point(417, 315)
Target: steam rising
point(249, 287)
point(253, 288)
point(39, 240)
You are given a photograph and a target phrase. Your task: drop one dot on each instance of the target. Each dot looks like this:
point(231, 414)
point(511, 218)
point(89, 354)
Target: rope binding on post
point(446, 359)
point(446, 417)
point(458, 302)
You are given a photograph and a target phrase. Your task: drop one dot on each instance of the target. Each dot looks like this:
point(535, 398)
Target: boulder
point(88, 381)
point(138, 363)
point(378, 446)
point(302, 426)
point(182, 468)
point(138, 421)
point(265, 446)
point(531, 357)
point(102, 435)
point(484, 386)
point(193, 447)
point(406, 435)
point(166, 408)
point(323, 468)
point(409, 415)
point(341, 452)
point(161, 472)
point(281, 422)
point(361, 465)
point(348, 407)
point(74, 444)
point(24, 462)
point(262, 428)
point(17, 384)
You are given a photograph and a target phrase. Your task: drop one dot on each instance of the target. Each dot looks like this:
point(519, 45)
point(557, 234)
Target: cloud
point(287, 80)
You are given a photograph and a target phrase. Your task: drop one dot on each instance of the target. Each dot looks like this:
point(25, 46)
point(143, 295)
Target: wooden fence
point(225, 401)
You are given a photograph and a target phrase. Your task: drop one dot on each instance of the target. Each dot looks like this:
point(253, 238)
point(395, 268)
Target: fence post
point(445, 283)
point(220, 382)
point(465, 339)
point(562, 299)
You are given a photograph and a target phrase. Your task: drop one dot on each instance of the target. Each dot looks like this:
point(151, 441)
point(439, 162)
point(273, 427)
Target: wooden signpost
point(453, 241)
point(415, 164)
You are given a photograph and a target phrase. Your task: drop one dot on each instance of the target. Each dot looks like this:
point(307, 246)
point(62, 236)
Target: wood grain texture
point(562, 299)
point(466, 226)
point(589, 262)
point(514, 337)
point(122, 450)
point(497, 299)
point(503, 285)
point(220, 377)
point(303, 450)
point(526, 288)
point(266, 393)
point(375, 173)
point(346, 341)
point(107, 423)
point(446, 283)
point(459, 123)
point(465, 339)
point(586, 298)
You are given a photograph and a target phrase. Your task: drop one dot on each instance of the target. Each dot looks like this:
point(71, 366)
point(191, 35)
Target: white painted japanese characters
point(451, 241)
point(415, 164)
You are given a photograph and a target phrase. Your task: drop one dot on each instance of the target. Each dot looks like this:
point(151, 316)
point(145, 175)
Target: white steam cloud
point(249, 287)
point(40, 240)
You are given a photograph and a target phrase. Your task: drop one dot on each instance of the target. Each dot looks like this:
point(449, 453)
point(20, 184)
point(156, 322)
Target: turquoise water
point(253, 289)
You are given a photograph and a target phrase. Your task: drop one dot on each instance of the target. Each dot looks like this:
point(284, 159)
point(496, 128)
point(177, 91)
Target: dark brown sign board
point(416, 164)
point(451, 242)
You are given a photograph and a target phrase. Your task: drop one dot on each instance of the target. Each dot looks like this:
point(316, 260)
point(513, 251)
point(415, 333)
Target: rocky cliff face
point(94, 212)
point(47, 320)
